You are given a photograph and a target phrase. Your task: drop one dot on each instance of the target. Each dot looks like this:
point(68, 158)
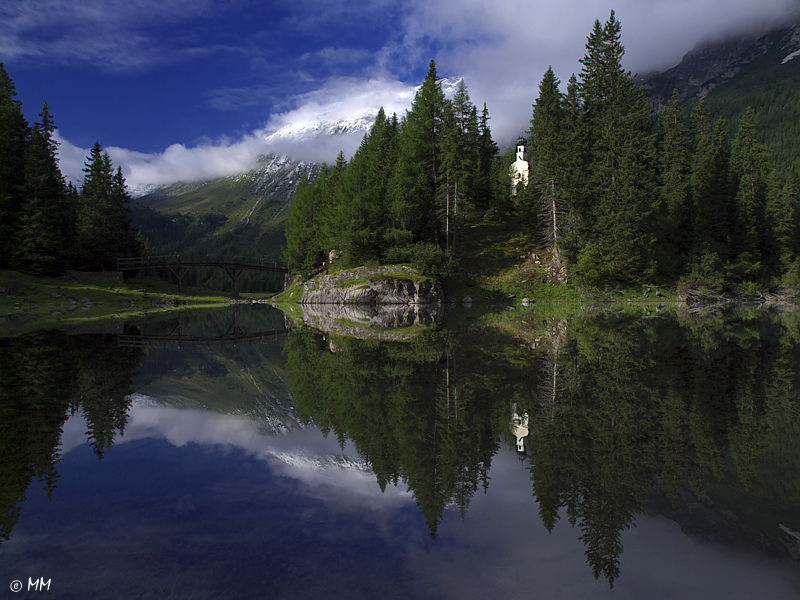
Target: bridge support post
point(234, 329)
point(178, 273)
point(234, 273)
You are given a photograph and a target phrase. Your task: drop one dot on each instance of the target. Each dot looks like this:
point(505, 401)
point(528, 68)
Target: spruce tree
point(303, 226)
point(460, 163)
point(616, 128)
point(13, 139)
point(547, 150)
point(711, 193)
point(414, 185)
point(750, 172)
point(104, 231)
point(784, 215)
point(488, 152)
point(360, 214)
point(45, 237)
point(675, 214)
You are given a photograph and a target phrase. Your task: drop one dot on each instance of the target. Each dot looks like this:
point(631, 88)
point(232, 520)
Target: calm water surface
point(600, 456)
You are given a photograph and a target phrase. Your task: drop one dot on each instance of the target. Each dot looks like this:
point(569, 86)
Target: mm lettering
point(39, 585)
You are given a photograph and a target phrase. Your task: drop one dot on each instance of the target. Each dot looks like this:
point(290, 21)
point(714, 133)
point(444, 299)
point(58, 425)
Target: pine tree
point(676, 211)
point(414, 185)
point(13, 139)
point(616, 128)
point(303, 225)
point(460, 162)
point(361, 215)
point(45, 237)
point(711, 192)
point(750, 172)
point(547, 150)
point(104, 231)
point(488, 152)
point(784, 217)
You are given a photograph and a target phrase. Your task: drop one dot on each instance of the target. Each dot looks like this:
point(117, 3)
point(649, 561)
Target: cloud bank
point(295, 132)
point(501, 49)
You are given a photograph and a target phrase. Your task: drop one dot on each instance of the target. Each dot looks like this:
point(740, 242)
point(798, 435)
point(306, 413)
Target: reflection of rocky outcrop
point(373, 285)
point(373, 322)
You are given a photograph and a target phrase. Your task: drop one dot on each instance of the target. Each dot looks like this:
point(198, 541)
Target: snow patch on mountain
point(321, 127)
point(794, 45)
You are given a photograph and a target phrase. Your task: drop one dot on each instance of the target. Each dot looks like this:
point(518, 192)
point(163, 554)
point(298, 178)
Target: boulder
point(371, 286)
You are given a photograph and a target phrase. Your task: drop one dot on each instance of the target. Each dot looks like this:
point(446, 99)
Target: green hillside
point(239, 215)
point(772, 89)
point(735, 75)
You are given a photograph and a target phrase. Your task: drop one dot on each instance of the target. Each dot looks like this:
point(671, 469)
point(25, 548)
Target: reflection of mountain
point(247, 379)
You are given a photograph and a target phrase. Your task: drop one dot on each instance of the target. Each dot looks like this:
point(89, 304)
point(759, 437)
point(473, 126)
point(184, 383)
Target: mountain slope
point(240, 214)
point(760, 72)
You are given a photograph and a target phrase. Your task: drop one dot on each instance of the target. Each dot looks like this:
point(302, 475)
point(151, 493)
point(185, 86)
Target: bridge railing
point(184, 260)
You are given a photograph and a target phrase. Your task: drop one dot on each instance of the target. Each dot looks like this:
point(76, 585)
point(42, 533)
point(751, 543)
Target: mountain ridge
point(711, 64)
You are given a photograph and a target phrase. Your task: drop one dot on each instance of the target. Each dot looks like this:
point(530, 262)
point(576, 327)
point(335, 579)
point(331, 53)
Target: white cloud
point(100, 32)
point(289, 133)
point(502, 50)
point(176, 163)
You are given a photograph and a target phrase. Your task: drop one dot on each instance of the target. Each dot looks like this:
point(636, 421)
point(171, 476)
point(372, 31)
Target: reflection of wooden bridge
point(176, 337)
point(230, 339)
point(178, 264)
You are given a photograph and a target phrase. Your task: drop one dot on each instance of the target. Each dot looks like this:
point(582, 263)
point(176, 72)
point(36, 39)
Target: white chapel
point(520, 167)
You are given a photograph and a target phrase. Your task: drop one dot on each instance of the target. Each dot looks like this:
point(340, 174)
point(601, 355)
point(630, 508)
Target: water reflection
point(44, 378)
point(619, 413)
point(598, 422)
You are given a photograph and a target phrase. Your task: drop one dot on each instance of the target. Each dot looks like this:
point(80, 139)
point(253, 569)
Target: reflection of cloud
point(193, 518)
point(329, 473)
point(502, 547)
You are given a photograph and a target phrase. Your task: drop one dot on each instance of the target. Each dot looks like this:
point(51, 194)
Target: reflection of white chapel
point(520, 167)
point(519, 427)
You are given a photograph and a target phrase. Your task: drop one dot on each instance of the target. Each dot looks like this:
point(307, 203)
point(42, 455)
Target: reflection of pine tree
point(103, 388)
point(408, 409)
point(43, 379)
point(590, 448)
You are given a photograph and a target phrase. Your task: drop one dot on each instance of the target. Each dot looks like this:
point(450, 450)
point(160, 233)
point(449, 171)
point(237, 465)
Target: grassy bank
point(28, 303)
point(501, 262)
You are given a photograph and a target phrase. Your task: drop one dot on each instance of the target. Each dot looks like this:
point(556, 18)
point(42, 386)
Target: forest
point(47, 225)
point(616, 193)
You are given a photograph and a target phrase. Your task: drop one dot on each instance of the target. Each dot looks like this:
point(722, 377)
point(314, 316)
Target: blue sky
point(191, 87)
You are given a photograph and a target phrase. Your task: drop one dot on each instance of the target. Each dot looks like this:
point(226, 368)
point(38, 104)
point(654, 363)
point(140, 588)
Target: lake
point(618, 453)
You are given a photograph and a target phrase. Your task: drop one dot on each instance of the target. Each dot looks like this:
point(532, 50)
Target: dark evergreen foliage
point(104, 231)
point(405, 192)
point(13, 141)
point(47, 226)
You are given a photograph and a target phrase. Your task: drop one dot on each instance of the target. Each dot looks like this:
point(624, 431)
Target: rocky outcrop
point(385, 285)
point(388, 322)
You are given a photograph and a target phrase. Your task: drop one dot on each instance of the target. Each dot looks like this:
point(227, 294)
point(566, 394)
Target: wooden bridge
point(178, 264)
